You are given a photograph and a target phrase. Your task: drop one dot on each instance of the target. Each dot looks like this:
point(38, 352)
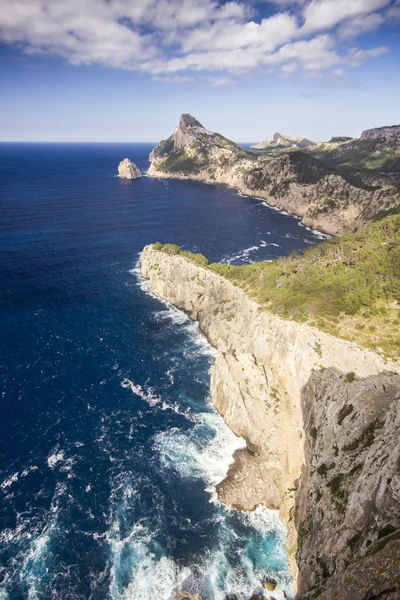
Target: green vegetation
point(363, 160)
point(348, 286)
point(173, 249)
point(350, 377)
point(180, 163)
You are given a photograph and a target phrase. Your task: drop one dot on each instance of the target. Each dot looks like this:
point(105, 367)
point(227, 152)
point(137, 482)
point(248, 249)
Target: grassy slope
point(348, 286)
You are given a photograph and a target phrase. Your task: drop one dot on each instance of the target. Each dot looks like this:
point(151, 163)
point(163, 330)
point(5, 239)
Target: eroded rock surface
point(183, 595)
point(320, 418)
point(128, 170)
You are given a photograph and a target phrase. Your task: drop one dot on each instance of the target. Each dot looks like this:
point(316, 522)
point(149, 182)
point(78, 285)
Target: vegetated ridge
point(336, 188)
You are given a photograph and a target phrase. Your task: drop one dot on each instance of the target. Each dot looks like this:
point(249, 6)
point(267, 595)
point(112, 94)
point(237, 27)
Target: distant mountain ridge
point(279, 140)
point(309, 182)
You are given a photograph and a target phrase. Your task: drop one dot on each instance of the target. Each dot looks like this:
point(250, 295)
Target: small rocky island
point(128, 170)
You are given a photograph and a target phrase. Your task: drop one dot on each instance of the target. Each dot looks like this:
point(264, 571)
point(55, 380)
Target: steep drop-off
point(321, 420)
point(297, 181)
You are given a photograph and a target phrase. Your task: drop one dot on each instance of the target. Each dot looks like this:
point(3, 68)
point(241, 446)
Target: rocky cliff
point(128, 170)
point(297, 182)
point(385, 135)
point(321, 419)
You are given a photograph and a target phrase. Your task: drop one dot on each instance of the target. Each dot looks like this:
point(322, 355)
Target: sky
point(124, 70)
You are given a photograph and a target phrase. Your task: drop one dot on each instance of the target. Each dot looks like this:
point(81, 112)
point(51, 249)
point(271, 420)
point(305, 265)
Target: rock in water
point(270, 585)
point(128, 170)
point(183, 595)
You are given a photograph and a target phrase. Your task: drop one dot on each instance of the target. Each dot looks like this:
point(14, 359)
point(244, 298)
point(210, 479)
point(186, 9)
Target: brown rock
point(270, 585)
point(184, 595)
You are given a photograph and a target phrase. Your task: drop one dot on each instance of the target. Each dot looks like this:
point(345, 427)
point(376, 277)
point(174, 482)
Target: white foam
point(242, 255)
point(318, 234)
point(9, 481)
point(146, 394)
point(56, 457)
point(185, 452)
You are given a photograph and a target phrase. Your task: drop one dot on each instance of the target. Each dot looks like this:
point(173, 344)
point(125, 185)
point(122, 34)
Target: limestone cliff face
point(296, 181)
point(385, 135)
point(128, 170)
point(319, 418)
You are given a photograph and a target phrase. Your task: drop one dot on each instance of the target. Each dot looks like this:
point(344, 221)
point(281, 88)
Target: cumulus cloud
point(393, 12)
point(169, 39)
point(359, 25)
point(356, 57)
point(325, 14)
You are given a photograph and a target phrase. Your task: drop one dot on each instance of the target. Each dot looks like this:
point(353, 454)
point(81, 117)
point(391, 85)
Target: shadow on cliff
point(347, 507)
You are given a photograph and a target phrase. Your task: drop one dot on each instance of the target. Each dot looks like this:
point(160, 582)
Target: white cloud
point(356, 57)
point(174, 79)
point(393, 13)
point(325, 14)
point(269, 34)
point(288, 2)
point(220, 81)
point(170, 38)
point(317, 54)
point(359, 25)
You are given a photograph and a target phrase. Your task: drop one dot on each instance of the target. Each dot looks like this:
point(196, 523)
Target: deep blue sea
point(109, 446)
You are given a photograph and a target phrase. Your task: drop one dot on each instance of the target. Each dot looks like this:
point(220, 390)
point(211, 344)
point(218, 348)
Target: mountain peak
point(189, 121)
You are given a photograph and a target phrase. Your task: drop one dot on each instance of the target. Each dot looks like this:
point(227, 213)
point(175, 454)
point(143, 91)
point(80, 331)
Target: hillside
point(373, 159)
point(348, 286)
point(279, 140)
point(319, 414)
point(302, 182)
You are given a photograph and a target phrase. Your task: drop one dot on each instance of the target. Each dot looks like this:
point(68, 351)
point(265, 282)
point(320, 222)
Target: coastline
point(241, 191)
point(261, 513)
point(264, 370)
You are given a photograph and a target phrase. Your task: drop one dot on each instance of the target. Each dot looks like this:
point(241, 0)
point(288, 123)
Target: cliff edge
point(320, 416)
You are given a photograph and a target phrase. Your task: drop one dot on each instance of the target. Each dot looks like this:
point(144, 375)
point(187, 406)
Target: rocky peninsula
point(128, 170)
point(320, 416)
point(336, 188)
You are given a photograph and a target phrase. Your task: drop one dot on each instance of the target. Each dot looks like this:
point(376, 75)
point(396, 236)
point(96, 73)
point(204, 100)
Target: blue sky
point(124, 70)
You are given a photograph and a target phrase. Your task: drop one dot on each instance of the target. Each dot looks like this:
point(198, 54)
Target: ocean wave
point(139, 572)
point(242, 255)
point(318, 234)
point(148, 395)
point(9, 481)
point(205, 451)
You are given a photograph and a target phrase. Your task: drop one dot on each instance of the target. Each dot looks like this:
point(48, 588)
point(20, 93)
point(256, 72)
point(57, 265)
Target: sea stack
point(128, 170)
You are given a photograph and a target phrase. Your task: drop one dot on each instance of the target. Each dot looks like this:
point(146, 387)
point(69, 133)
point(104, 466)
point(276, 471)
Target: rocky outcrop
point(279, 140)
point(128, 170)
point(320, 419)
point(183, 595)
point(339, 139)
point(296, 182)
point(387, 135)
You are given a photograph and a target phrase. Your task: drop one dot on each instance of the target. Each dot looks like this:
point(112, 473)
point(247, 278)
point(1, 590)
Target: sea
point(110, 447)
